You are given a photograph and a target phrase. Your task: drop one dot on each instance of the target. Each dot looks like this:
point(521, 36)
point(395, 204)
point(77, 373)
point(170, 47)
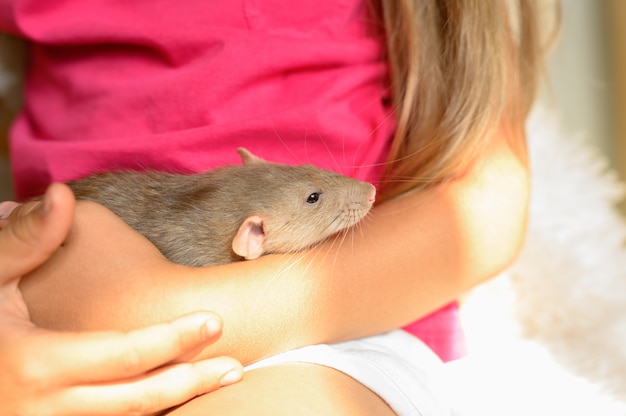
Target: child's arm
point(414, 254)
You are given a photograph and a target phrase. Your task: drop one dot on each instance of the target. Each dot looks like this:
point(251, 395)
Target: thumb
point(35, 230)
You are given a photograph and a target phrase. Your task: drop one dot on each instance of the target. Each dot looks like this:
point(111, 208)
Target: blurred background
point(587, 70)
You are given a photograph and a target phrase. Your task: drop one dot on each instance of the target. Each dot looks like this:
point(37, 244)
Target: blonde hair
point(458, 69)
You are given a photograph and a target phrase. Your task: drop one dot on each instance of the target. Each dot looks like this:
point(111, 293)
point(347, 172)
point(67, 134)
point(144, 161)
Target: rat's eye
point(313, 198)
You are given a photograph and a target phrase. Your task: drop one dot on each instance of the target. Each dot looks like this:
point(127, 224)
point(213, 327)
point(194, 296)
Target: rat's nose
point(372, 196)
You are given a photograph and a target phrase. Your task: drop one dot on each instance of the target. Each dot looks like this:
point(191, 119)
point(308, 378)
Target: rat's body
point(234, 212)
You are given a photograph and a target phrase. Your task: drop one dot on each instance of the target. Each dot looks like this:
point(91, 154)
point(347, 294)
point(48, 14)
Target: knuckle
point(182, 341)
point(146, 403)
point(130, 361)
point(27, 374)
point(30, 376)
point(195, 385)
point(210, 375)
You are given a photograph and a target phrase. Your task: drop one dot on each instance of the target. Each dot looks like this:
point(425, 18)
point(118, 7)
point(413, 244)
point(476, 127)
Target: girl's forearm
point(419, 252)
point(413, 255)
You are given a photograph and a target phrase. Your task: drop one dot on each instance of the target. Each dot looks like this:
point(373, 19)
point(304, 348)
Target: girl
point(425, 98)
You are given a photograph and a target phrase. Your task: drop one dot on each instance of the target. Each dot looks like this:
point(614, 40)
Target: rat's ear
point(248, 243)
point(248, 158)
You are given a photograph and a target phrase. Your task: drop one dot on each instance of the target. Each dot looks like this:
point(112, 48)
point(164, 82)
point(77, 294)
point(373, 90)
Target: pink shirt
point(179, 86)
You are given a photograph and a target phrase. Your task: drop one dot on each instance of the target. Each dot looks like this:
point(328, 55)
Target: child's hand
point(47, 372)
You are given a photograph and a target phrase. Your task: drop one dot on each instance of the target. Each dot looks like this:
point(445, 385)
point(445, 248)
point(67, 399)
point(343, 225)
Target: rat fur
point(231, 213)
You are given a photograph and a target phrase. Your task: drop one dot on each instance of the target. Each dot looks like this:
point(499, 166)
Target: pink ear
point(248, 242)
point(248, 158)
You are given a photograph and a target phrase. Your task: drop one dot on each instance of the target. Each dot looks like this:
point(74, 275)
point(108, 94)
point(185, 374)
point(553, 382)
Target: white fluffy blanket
point(549, 336)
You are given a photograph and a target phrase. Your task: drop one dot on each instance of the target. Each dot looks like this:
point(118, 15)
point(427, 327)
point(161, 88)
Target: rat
point(234, 212)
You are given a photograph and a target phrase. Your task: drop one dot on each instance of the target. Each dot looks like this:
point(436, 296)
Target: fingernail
point(231, 377)
point(212, 327)
point(44, 207)
point(6, 208)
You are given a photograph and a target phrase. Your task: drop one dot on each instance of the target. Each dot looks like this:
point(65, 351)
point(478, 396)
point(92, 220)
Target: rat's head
point(295, 207)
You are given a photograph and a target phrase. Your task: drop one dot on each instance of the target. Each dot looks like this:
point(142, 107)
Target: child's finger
point(159, 390)
point(107, 356)
point(34, 231)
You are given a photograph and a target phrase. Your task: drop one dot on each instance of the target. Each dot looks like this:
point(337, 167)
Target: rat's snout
point(361, 196)
point(367, 193)
point(371, 198)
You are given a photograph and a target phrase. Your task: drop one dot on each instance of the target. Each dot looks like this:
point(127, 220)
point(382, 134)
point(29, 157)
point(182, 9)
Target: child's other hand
point(48, 372)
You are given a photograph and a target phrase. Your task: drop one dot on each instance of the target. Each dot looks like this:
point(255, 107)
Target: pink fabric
point(442, 332)
point(179, 86)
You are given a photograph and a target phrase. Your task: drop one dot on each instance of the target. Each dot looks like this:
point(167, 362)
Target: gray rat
point(234, 212)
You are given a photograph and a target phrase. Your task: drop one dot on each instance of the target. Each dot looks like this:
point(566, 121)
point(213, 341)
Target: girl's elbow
point(506, 235)
point(496, 212)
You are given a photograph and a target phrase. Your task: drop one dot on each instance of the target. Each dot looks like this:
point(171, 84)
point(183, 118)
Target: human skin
point(413, 255)
point(96, 373)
